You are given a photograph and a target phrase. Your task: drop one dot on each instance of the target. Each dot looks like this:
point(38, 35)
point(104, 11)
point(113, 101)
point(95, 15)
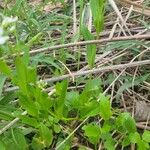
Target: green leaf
point(104, 104)
point(130, 124)
point(94, 86)
point(29, 105)
point(19, 139)
point(35, 39)
point(91, 49)
point(146, 136)
point(29, 121)
point(126, 141)
point(21, 78)
point(57, 128)
point(41, 58)
point(135, 137)
point(2, 81)
point(32, 75)
point(97, 8)
point(109, 144)
point(128, 83)
point(2, 146)
point(93, 132)
point(5, 69)
point(92, 89)
point(61, 91)
point(72, 99)
point(142, 145)
point(125, 123)
point(46, 135)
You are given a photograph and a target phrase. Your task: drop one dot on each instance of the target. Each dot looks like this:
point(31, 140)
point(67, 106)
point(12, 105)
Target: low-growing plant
point(32, 118)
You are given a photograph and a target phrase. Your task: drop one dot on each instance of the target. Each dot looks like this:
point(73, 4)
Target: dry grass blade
point(136, 7)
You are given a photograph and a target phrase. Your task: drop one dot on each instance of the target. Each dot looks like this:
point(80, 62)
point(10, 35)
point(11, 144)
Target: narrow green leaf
point(61, 90)
point(91, 49)
point(97, 8)
point(21, 77)
point(19, 139)
point(2, 146)
point(35, 39)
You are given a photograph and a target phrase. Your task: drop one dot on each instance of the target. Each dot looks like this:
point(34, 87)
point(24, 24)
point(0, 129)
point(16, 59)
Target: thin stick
point(93, 71)
point(72, 133)
point(138, 37)
point(11, 123)
point(98, 70)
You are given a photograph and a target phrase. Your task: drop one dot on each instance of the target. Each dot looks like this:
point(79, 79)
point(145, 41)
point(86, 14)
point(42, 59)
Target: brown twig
point(92, 71)
point(90, 42)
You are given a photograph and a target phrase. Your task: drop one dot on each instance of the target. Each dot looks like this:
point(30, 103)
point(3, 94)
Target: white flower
point(3, 39)
point(41, 84)
point(1, 31)
point(8, 20)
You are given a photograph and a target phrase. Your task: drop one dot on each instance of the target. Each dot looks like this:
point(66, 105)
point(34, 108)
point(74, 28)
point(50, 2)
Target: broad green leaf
point(89, 109)
point(72, 100)
point(97, 8)
point(142, 145)
point(30, 106)
point(37, 144)
point(19, 139)
point(104, 104)
point(93, 132)
point(2, 81)
point(2, 146)
point(93, 85)
point(42, 98)
point(130, 124)
point(109, 144)
point(91, 90)
point(135, 137)
point(46, 135)
point(146, 136)
point(57, 128)
point(5, 69)
point(125, 123)
point(126, 141)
